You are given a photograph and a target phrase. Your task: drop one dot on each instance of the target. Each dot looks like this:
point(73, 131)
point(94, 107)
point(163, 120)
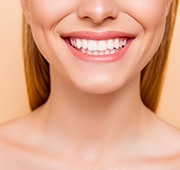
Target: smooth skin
point(94, 118)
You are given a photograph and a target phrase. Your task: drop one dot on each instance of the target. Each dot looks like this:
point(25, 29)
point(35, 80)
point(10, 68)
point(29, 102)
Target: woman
point(88, 83)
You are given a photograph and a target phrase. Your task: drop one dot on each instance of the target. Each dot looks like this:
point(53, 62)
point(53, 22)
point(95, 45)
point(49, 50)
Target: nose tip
point(98, 10)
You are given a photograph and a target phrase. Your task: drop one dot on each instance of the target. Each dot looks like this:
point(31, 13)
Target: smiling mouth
point(98, 47)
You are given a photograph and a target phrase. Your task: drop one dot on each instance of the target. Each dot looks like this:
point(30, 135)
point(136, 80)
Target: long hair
point(152, 76)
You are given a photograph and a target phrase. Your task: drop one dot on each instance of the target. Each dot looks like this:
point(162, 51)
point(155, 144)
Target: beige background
point(13, 97)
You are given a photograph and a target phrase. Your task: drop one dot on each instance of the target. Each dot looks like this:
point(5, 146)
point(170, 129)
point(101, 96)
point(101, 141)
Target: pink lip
point(99, 36)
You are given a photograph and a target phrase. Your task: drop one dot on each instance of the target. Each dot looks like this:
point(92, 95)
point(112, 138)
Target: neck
point(91, 119)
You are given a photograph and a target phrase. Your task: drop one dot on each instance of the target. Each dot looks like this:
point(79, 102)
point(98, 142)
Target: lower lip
point(100, 58)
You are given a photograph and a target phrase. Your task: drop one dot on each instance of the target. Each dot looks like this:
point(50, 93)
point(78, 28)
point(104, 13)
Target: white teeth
point(84, 44)
point(83, 50)
point(101, 53)
point(95, 53)
point(113, 51)
point(110, 44)
point(78, 43)
point(123, 43)
point(99, 47)
point(73, 43)
point(102, 46)
point(116, 43)
point(89, 52)
point(107, 52)
point(92, 45)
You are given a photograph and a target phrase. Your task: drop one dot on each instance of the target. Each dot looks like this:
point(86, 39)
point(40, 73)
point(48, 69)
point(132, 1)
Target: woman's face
point(97, 45)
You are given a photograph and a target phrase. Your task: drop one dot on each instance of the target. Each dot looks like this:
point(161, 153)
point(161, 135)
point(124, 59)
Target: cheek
point(149, 13)
point(45, 15)
point(49, 12)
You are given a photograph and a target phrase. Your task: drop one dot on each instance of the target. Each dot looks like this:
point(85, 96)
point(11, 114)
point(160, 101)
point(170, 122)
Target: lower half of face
point(98, 46)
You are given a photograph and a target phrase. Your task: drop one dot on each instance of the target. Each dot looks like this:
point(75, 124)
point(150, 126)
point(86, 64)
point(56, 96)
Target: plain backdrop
point(13, 95)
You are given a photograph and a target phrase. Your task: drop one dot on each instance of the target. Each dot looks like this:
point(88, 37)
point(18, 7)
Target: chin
point(99, 88)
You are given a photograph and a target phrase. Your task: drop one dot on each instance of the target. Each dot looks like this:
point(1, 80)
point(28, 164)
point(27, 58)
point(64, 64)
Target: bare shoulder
point(19, 132)
point(159, 147)
point(166, 140)
point(14, 129)
point(173, 144)
point(170, 134)
point(12, 136)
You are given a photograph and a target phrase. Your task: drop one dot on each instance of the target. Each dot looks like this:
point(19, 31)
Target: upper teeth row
point(98, 45)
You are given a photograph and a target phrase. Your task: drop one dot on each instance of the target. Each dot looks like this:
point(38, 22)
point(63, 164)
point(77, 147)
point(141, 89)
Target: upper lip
point(97, 35)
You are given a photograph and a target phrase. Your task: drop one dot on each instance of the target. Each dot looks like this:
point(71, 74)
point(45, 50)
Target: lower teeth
point(99, 52)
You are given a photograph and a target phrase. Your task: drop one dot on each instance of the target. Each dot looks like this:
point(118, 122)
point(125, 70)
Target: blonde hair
point(38, 77)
